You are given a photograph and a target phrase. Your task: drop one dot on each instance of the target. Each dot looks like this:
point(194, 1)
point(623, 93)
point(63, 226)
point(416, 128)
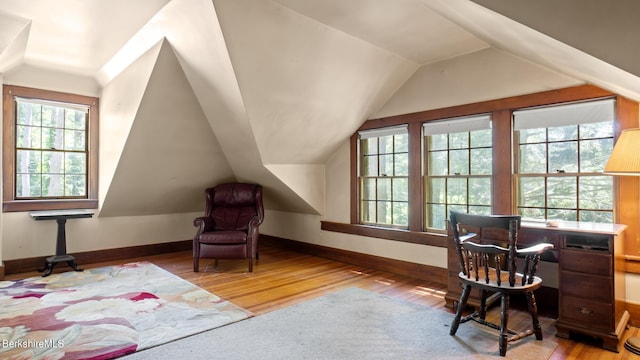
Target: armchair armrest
point(535, 249)
point(203, 224)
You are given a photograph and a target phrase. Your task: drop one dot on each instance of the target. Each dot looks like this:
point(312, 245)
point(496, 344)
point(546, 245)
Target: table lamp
point(625, 160)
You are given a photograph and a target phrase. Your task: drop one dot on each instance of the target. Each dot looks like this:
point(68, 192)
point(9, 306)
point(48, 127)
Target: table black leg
point(61, 252)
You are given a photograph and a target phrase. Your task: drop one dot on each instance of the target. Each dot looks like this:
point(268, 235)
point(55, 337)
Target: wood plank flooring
point(282, 278)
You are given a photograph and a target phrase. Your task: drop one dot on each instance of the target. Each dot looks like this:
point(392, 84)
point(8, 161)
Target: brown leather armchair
point(229, 227)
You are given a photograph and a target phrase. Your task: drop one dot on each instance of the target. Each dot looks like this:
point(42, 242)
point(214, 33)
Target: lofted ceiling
point(196, 92)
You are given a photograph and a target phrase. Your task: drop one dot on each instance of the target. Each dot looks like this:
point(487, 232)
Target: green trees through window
point(51, 150)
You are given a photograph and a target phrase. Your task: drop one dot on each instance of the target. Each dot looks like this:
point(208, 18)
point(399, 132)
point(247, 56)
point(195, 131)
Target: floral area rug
point(104, 313)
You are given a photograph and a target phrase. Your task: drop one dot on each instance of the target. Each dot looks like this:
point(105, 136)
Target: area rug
point(104, 313)
point(351, 324)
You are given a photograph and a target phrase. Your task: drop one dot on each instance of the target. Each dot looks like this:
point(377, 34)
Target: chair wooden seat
point(488, 265)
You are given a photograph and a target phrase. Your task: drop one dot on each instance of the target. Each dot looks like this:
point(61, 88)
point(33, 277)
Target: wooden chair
point(487, 253)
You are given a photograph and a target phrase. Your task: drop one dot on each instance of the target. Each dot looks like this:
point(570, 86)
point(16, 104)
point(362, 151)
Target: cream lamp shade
point(625, 157)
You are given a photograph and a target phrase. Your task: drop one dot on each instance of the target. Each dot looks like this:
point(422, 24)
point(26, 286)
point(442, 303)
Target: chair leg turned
point(461, 305)
point(504, 320)
point(533, 310)
point(196, 264)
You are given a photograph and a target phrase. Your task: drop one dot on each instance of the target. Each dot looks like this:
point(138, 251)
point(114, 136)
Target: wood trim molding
point(414, 237)
point(90, 257)
point(414, 270)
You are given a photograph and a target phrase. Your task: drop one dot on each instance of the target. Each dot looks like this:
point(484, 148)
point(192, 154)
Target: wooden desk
point(60, 216)
point(591, 277)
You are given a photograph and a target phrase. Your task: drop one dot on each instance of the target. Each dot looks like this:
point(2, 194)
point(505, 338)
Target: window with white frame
point(458, 169)
point(561, 153)
point(384, 176)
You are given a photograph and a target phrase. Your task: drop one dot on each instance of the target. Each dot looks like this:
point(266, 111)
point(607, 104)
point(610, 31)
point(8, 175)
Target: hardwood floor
point(282, 278)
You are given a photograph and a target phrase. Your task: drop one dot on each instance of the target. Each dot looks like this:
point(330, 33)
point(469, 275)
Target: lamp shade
point(625, 157)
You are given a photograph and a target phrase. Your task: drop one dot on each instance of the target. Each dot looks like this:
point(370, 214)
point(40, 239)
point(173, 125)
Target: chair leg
point(533, 310)
point(504, 320)
point(250, 264)
point(482, 313)
point(196, 264)
point(462, 304)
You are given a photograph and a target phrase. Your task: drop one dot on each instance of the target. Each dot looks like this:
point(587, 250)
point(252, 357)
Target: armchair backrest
point(232, 206)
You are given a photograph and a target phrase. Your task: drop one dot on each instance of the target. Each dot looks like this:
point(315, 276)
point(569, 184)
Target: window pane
point(533, 159)
point(52, 138)
point(481, 138)
point(596, 130)
point(559, 214)
point(52, 185)
point(386, 165)
point(28, 185)
point(370, 166)
point(401, 165)
point(401, 143)
point(562, 193)
point(528, 136)
point(369, 146)
point(369, 211)
point(385, 144)
point(596, 192)
point(28, 161)
point(459, 140)
point(480, 210)
point(52, 162)
point(369, 189)
point(400, 189)
point(400, 213)
point(384, 189)
point(437, 192)
point(594, 154)
point(532, 213)
point(481, 161)
point(596, 216)
point(74, 140)
point(28, 137)
point(28, 114)
point(75, 119)
point(75, 163)
point(384, 212)
point(531, 191)
point(438, 163)
point(438, 142)
point(459, 162)
point(75, 185)
point(437, 216)
point(457, 191)
point(480, 191)
point(563, 156)
point(563, 133)
point(52, 116)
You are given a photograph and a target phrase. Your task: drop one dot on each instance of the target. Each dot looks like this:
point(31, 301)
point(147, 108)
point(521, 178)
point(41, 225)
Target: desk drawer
point(597, 288)
point(587, 313)
point(585, 261)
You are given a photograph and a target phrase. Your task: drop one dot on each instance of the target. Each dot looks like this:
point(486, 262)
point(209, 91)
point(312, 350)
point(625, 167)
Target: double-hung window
point(561, 153)
point(50, 150)
point(458, 155)
point(384, 176)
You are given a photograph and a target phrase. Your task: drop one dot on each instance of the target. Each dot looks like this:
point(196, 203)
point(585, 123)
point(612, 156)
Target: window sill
point(423, 238)
point(31, 205)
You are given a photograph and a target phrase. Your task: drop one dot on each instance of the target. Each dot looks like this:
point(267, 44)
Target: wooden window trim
point(9, 203)
point(500, 109)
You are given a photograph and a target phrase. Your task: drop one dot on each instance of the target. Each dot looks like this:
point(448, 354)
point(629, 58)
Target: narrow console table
point(60, 216)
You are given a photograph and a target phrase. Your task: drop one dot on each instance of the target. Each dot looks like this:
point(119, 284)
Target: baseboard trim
point(417, 271)
point(90, 257)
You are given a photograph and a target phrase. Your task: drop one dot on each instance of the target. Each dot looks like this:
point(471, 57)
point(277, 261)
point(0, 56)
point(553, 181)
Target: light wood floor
point(282, 278)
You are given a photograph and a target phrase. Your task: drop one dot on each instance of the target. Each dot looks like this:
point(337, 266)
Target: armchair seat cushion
point(223, 237)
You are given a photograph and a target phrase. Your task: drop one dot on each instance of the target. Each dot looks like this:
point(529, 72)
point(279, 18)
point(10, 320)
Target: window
point(384, 173)
point(50, 150)
point(561, 153)
point(458, 154)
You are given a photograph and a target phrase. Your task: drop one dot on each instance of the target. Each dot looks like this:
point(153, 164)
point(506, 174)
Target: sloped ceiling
point(198, 92)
